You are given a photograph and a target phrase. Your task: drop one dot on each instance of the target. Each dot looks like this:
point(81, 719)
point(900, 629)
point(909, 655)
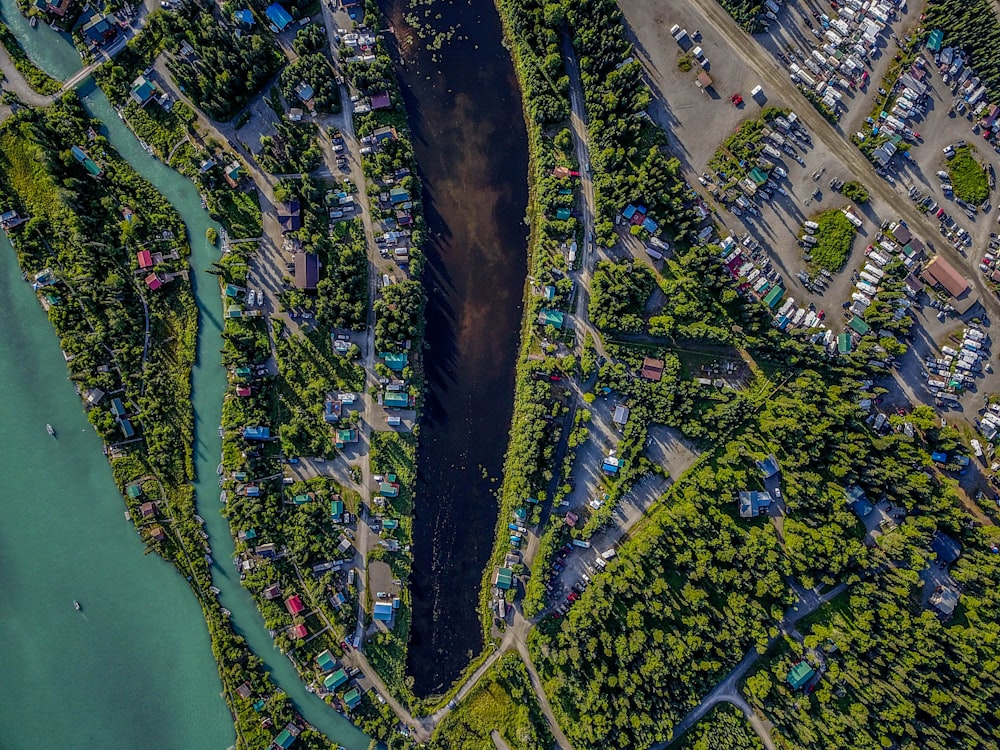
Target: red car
point(572, 597)
point(821, 314)
point(736, 99)
point(940, 213)
point(864, 78)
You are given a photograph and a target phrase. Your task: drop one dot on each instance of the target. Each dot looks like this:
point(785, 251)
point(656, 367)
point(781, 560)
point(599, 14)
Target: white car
point(781, 172)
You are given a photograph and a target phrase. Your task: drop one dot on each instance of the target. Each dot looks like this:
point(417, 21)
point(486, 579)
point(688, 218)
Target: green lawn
point(835, 237)
point(968, 176)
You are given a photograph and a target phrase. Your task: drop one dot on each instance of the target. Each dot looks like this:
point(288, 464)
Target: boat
point(225, 612)
point(222, 432)
point(33, 22)
point(218, 469)
point(215, 590)
point(199, 519)
point(50, 430)
point(223, 496)
point(76, 605)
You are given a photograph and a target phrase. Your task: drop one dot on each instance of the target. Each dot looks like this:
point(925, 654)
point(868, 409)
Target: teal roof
point(396, 399)
point(800, 674)
point(550, 318)
point(335, 680)
point(284, 739)
point(395, 361)
point(326, 661)
point(352, 698)
point(336, 507)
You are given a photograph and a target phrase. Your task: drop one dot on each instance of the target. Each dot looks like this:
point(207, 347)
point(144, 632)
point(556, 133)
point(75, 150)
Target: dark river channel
point(471, 145)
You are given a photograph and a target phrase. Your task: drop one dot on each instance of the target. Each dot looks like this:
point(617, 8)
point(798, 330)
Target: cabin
point(945, 548)
point(800, 675)
point(652, 369)
point(305, 93)
point(553, 318)
point(306, 271)
point(145, 259)
point(944, 600)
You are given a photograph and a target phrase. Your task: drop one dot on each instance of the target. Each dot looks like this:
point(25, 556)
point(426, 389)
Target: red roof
point(153, 282)
point(298, 631)
point(145, 259)
point(243, 391)
point(294, 604)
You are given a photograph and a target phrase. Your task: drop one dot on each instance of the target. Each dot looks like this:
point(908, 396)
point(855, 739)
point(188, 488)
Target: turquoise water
point(209, 381)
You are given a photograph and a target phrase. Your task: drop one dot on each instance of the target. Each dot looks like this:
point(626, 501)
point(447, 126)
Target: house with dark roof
point(100, 29)
point(944, 600)
point(768, 467)
point(752, 503)
point(290, 216)
point(381, 101)
point(305, 93)
point(306, 271)
point(947, 549)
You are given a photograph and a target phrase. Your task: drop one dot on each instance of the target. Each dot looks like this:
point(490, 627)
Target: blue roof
point(395, 361)
point(649, 225)
point(939, 457)
point(383, 611)
point(78, 153)
point(629, 211)
point(244, 16)
point(277, 15)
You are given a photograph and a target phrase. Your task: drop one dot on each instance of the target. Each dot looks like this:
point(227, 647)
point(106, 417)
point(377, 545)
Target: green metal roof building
point(774, 297)
point(336, 508)
point(352, 698)
point(284, 739)
point(326, 662)
point(800, 675)
point(859, 325)
point(505, 578)
point(844, 343)
point(335, 680)
point(550, 318)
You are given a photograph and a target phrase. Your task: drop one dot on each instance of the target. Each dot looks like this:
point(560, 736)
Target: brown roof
point(940, 272)
point(652, 369)
point(705, 80)
point(156, 531)
point(148, 509)
point(306, 270)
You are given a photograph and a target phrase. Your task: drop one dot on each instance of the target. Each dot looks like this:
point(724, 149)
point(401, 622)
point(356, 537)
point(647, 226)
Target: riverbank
point(40, 81)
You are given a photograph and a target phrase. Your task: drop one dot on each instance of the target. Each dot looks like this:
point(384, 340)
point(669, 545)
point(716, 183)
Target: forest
point(315, 70)
point(745, 12)
point(618, 296)
point(973, 26)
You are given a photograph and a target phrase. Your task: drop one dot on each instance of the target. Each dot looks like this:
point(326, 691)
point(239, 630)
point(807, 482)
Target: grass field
point(835, 237)
point(968, 177)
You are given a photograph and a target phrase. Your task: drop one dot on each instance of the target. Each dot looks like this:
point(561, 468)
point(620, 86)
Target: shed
point(704, 80)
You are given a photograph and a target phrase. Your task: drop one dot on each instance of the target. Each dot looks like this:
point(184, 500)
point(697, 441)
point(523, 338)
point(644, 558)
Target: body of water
point(472, 149)
point(132, 663)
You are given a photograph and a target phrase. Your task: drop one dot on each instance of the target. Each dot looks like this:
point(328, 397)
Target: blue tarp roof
point(277, 15)
point(939, 457)
point(244, 16)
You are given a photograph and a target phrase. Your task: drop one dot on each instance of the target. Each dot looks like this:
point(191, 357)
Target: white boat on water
point(222, 432)
point(215, 590)
point(50, 430)
point(223, 496)
point(218, 469)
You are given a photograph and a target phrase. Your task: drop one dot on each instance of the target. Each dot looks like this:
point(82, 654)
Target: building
point(100, 29)
point(800, 675)
point(388, 489)
point(298, 631)
point(385, 133)
point(257, 433)
point(704, 81)
point(553, 318)
point(272, 592)
point(352, 698)
point(504, 579)
point(145, 259)
point(157, 533)
point(306, 271)
point(92, 167)
point(768, 467)
point(233, 173)
point(753, 502)
point(944, 600)
point(398, 195)
point(142, 91)
point(244, 691)
point(305, 93)
point(11, 219)
point(396, 400)
point(620, 416)
point(382, 612)
point(940, 274)
point(294, 604)
point(55, 7)
point(336, 509)
point(153, 281)
point(290, 216)
point(947, 549)
point(326, 662)
point(652, 369)
point(278, 16)
point(611, 465)
point(345, 437)
point(245, 17)
point(148, 510)
point(381, 101)
point(335, 680)
point(395, 361)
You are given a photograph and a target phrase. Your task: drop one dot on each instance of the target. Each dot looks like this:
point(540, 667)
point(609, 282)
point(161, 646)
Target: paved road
point(775, 79)
point(727, 691)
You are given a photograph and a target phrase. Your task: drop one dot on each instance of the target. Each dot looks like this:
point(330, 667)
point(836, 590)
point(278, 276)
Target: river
point(472, 149)
point(41, 664)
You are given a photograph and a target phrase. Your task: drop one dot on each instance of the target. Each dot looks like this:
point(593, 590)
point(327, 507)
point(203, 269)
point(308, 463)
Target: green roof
point(284, 739)
point(326, 661)
point(859, 325)
point(550, 318)
point(800, 674)
point(505, 577)
point(774, 296)
point(396, 399)
point(335, 680)
point(301, 499)
point(843, 343)
point(758, 175)
point(134, 491)
point(352, 698)
point(336, 507)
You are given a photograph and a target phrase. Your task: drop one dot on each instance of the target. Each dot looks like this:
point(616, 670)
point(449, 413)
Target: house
point(283, 741)
point(939, 273)
point(92, 167)
point(857, 501)
point(306, 271)
point(396, 400)
point(117, 408)
point(352, 698)
point(345, 437)
point(753, 502)
point(326, 662)
point(298, 631)
point(336, 509)
point(945, 548)
point(127, 430)
point(303, 499)
point(272, 592)
point(571, 519)
point(278, 16)
point(244, 691)
point(611, 465)
point(652, 369)
point(233, 173)
point(382, 612)
point(305, 93)
point(332, 411)
point(384, 134)
point(553, 318)
point(244, 391)
point(562, 214)
point(290, 216)
point(10, 219)
point(381, 101)
point(257, 433)
point(335, 680)
point(620, 416)
point(55, 7)
point(266, 551)
point(157, 533)
point(395, 361)
point(768, 467)
point(388, 489)
point(142, 91)
point(504, 579)
point(153, 281)
point(294, 604)
point(100, 29)
point(145, 259)
point(244, 17)
point(398, 195)
point(800, 675)
point(944, 600)
point(148, 510)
